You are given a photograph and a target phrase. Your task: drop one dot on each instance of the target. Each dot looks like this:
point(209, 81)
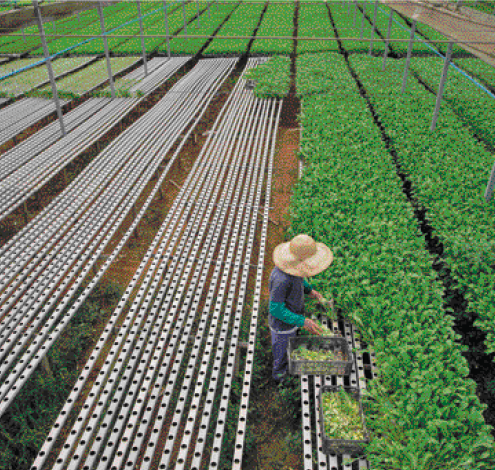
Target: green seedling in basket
point(341, 416)
point(302, 353)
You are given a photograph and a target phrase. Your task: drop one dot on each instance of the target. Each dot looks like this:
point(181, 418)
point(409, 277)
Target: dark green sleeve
point(307, 287)
point(280, 311)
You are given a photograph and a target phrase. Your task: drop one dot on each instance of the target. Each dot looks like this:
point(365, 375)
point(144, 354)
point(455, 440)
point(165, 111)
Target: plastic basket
point(342, 446)
point(330, 343)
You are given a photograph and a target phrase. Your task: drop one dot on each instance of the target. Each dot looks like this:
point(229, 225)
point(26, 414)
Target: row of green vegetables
point(112, 20)
point(349, 23)
point(314, 21)
point(401, 30)
point(422, 410)
point(473, 106)
point(243, 22)
point(87, 20)
point(86, 79)
point(17, 85)
point(486, 6)
point(207, 25)
point(153, 24)
point(278, 20)
point(449, 169)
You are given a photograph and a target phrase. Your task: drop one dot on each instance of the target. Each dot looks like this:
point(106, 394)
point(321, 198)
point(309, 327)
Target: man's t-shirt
point(287, 290)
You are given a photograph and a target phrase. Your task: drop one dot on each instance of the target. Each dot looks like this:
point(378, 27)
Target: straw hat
point(302, 256)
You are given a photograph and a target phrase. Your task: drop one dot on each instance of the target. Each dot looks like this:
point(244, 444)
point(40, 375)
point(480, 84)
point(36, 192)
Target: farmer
point(301, 257)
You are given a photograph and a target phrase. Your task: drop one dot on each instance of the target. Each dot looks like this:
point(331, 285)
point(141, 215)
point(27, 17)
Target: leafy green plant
point(242, 23)
point(341, 416)
point(272, 77)
point(425, 411)
point(278, 20)
point(311, 355)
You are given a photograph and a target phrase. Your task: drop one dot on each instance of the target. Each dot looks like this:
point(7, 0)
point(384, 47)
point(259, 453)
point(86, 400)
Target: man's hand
point(312, 327)
point(315, 295)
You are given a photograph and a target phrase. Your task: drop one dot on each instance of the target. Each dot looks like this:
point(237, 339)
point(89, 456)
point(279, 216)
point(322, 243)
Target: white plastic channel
point(150, 173)
point(241, 429)
point(142, 288)
point(21, 246)
point(48, 213)
point(245, 187)
point(271, 114)
point(213, 235)
point(135, 278)
point(24, 114)
point(34, 175)
point(41, 140)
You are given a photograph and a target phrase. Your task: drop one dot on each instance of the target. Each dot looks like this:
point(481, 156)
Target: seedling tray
point(328, 343)
point(342, 446)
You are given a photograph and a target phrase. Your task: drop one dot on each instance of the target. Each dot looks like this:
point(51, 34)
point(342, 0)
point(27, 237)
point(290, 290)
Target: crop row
point(314, 21)
point(448, 169)
point(242, 23)
point(156, 25)
point(86, 79)
point(486, 6)
point(465, 98)
point(272, 78)
point(87, 19)
point(277, 21)
point(31, 78)
point(112, 18)
point(153, 15)
point(346, 27)
point(422, 410)
point(207, 26)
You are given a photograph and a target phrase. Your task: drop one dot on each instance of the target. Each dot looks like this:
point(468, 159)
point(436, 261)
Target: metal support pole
point(490, 185)
point(141, 32)
point(362, 21)
point(41, 30)
point(408, 60)
point(387, 42)
point(208, 6)
point(23, 34)
point(348, 7)
point(78, 17)
point(54, 26)
point(107, 53)
point(355, 12)
point(184, 15)
point(197, 15)
point(166, 27)
point(374, 26)
point(442, 86)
